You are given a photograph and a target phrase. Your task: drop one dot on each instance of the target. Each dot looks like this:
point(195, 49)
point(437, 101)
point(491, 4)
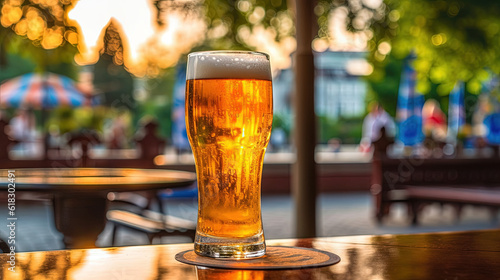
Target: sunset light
point(342, 39)
point(146, 37)
point(134, 20)
point(182, 32)
point(149, 47)
point(263, 40)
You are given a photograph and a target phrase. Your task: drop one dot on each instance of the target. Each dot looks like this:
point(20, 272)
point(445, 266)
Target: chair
point(133, 211)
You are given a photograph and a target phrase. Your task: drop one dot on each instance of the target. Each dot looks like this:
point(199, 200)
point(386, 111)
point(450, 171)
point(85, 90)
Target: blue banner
point(492, 123)
point(179, 134)
point(409, 108)
point(456, 110)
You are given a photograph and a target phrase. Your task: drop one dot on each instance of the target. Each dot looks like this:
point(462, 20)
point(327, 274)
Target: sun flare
point(145, 42)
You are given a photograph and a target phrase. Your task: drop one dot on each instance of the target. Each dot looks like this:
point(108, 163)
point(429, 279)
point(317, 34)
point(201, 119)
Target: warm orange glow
point(92, 16)
point(159, 160)
point(204, 273)
point(359, 67)
point(165, 47)
point(36, 26)
point(71, 37)
point(146, 44)
point(384, 48)
point(264, 40)
point(11, 13)
point(21, 27)
point(31, 22)
point(15, 14)
point(320, 44)
point(52, 38)
point(146, 47)
point(276, 40)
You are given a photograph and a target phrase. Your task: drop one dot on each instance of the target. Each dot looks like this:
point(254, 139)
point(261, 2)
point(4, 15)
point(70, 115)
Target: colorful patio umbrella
point(456, 110)
point(409, 108)
point(40, 91)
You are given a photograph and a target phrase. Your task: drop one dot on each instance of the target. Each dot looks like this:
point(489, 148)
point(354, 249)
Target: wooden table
point(79, 194)
point(460, 255)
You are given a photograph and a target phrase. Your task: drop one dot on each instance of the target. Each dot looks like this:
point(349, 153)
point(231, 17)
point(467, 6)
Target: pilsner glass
point(229, 113)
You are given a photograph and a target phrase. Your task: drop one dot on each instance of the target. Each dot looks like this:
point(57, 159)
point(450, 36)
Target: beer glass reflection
point(204, 273)
point(229, 119)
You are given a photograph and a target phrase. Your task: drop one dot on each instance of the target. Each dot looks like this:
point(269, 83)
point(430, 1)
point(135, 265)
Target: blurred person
point(5, 140)
point(278, 139)
point(118, 135)
point(148, 140)
point(19, 125)
point(334, 145)
point(22, 129)
point(365, 145)
point(434, 121)
point(483, 109)
point(376, 119)
point(54, 140)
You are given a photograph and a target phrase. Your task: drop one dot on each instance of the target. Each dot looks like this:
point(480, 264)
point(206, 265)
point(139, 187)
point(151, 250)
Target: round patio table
point(79, 194)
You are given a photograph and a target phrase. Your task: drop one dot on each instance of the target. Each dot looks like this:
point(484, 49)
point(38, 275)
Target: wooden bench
point(415, 181)
point(417, 196)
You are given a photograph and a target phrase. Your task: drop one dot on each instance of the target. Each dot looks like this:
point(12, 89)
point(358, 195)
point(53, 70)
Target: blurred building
point(340, 89)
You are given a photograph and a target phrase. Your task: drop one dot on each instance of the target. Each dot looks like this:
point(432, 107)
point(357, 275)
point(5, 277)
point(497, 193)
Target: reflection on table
point(462, 255)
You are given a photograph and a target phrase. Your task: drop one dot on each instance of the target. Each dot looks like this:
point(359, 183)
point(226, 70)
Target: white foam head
point(228, 65)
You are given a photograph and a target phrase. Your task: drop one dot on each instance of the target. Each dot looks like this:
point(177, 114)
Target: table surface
point(80, 194)
point(95, 179)
point(459, 255)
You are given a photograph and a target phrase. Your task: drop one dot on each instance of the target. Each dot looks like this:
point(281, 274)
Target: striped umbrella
point(40, 91)
point(409, 108)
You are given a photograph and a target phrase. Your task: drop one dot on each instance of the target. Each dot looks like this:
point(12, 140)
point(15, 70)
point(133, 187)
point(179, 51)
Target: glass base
point(230, 248)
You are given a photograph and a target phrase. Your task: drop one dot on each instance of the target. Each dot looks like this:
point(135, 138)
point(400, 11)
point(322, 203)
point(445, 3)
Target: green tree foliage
point(113, 84)
point(385, 90)
point(228, 19)
point(36, 30)
point(23, 66)
point(159, 102)
point(452, 40)
point(349, 130)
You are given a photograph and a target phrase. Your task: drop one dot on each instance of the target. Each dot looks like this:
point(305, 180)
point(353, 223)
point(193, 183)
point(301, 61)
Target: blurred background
point(426, 71)
point(127, 60)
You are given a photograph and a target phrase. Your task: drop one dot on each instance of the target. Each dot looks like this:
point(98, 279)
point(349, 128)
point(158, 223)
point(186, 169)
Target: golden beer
point(229, 118)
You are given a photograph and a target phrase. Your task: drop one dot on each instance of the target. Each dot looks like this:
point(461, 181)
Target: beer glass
point(229, 113)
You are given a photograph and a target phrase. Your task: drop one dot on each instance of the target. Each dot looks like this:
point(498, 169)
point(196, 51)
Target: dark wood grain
point(462, 255)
